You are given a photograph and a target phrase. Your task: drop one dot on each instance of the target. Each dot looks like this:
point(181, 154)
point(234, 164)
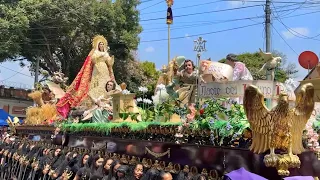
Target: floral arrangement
point(311, 135)
point(222, 118)
point(224, 123)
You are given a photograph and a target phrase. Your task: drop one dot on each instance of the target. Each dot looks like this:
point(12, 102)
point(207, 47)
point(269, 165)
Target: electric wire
point(290, 30)
point(184, 7)
point(44, 44)
point(284, 40)
point(161, 1)
point(201, 34)
point(192, 14)
point(17, 72)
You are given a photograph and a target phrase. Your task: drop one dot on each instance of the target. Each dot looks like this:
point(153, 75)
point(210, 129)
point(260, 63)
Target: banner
point(169, 16)
point(269, 89)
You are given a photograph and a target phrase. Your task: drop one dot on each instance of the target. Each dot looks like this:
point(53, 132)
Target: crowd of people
point(28, 160)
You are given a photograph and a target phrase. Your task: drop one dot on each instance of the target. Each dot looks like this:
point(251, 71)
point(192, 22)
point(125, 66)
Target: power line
point(297, 15)
point(213, 32)
point(184, 7)
point(222, 10)
point(205, 23)
point(280, 2)
point(284, 39)
point(195, 5)
point(146, 1)
point(201, 24)
point(12, 75)
point(161, 1)
point(192, 14)
point(16, 71)
point(291, 30)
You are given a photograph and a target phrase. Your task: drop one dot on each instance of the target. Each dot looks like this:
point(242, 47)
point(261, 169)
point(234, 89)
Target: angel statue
point(279, 128)
point(89, 84)
point(270, 64)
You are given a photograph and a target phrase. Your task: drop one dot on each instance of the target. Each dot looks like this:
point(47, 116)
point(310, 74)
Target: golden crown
point(97, 39)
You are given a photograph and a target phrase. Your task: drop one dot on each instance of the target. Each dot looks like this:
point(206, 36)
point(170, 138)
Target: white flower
point(147, 101)
point(139, 99)
point(143, 89)
point(290, 84)
point(125, 91)
point(161, 87)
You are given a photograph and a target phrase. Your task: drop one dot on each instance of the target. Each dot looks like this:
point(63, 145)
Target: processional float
point(277, 129)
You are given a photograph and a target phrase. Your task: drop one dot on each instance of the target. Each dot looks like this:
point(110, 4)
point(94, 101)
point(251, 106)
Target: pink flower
point(192, 114)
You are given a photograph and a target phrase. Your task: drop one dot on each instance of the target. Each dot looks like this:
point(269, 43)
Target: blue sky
point(218, 45)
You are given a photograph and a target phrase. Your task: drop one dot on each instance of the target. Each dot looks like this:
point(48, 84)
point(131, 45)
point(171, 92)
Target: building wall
point(15, 107)
point(15, 101)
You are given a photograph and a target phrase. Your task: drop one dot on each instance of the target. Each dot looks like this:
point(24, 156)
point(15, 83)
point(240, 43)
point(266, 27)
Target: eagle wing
point(56, 89)
point(300, 115)
point(259, 118)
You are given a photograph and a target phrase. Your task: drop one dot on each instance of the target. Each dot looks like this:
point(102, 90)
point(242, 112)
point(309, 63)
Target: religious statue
point(186, 77)
point(102, 110)
point(279, 128)
point(270, 64)
point(179, 78)
point(240, 71)
point(89, 85)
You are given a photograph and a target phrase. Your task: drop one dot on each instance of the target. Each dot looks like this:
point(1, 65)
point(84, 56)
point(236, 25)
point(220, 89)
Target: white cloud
point(235, 4)
point(149, 49)
point(187, 36)
point(294, 32)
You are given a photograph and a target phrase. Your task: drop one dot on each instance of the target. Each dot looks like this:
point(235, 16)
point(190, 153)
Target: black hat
point(232, 57)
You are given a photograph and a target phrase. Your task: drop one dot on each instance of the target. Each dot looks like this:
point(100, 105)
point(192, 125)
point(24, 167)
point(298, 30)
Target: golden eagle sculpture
point(280, 128)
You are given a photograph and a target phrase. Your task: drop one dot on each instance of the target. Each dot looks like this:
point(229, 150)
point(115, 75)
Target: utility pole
point(267, 24)
point(199, 47)
point(268, 39)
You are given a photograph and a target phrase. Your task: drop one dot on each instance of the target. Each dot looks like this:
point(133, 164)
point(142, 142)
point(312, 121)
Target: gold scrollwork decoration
point(157, 155)
point(318, 154)
point(213, 175)
point(176, 168)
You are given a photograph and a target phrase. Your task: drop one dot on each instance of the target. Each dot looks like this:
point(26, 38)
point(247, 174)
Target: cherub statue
point(43, 111)
point(280, 127)
point(270, 63)
point(13, 124)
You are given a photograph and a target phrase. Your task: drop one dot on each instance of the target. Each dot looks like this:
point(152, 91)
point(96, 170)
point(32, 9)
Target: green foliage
point(106, 127)
point(166, 109)
point(59, 33)
point(147, 115)
point(149, 76)
point(254, 62)
point(316, 124)
point(223, 122)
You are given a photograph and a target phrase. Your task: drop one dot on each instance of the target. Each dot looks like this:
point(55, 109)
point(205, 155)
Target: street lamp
point(199, 47)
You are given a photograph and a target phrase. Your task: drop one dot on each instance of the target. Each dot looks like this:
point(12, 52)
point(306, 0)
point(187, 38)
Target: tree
point(58, 33)
point(254, 62)
point(152, 75)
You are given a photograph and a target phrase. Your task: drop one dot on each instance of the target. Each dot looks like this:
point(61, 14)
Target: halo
point(97, 39)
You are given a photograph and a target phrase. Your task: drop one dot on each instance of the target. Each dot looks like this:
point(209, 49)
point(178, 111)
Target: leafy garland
point(106, 127)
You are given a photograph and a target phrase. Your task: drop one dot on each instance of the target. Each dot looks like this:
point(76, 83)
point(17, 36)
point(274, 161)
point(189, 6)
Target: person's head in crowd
point(107, 165)
point(138, 171)
point(165, 176)
point(151, 174)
